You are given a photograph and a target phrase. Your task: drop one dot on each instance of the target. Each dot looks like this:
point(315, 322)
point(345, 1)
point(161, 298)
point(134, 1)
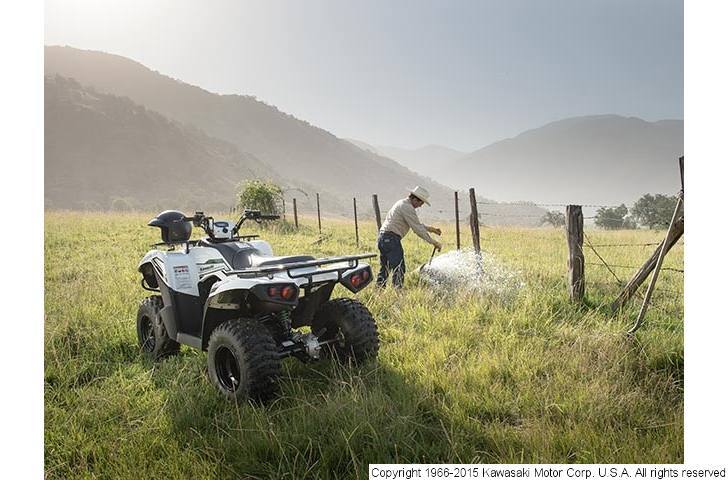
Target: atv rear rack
point(352, 261)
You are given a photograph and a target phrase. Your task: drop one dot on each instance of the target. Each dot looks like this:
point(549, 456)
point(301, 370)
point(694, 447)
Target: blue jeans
point(391, 257)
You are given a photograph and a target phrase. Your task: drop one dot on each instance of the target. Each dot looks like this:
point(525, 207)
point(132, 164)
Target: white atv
point(227, 294)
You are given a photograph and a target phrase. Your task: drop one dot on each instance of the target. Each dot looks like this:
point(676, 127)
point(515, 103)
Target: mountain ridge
point(104, 151)
point(293, 147)
point(599, 159)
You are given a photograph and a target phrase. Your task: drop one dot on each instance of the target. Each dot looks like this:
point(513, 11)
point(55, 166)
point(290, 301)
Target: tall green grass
point(459, 379)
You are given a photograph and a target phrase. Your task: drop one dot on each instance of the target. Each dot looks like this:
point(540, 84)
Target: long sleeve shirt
point(401, 217)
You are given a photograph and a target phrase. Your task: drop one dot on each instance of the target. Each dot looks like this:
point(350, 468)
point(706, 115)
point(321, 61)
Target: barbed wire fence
point(578, 256)
point(617, 280)
point(609, 256)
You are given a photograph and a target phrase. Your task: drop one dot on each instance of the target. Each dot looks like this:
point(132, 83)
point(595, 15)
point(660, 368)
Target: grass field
point(458, 379)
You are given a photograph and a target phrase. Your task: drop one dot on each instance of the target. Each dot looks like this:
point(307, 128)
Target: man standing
point(400, 218)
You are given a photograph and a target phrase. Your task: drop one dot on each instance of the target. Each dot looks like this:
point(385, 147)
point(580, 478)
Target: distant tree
point(121, 204)
point(614, 218)
point(554, 218)
point(654, 211)
point(260, 195)
point(90, 206)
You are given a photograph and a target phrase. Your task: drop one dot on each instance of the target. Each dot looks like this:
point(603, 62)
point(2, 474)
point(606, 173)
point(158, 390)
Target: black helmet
point(174, 225)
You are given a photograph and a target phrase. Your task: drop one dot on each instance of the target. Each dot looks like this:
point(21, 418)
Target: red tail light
point(277, 293)
point(288, 293)
point(357, 280)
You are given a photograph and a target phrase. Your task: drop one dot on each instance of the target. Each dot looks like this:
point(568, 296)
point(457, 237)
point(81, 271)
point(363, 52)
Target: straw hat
point(421, 193)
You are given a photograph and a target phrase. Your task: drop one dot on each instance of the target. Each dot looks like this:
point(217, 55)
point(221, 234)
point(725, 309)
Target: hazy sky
point(455, 73)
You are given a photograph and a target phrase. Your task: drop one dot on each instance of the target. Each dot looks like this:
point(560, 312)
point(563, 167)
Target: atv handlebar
point(199, 219)
point(253, 215)
point(257, 216)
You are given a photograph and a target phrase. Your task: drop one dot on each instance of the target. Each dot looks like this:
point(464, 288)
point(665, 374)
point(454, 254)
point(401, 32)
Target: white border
point(21, 124)
point(706, 322)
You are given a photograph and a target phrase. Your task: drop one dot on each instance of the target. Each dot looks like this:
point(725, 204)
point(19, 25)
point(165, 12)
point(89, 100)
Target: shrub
point(261, 195)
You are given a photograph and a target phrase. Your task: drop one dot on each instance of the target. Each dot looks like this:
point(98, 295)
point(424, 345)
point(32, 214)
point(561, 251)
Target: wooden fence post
point(356, 224)
point(457, 221)
point(295, 213)
point(377, 214)
point(674, 232)
point(575, 239)
point(284, 208)
point(681, 164)
point(474, 221)
point(318, 211)
point(641, 275)
point(658, 265)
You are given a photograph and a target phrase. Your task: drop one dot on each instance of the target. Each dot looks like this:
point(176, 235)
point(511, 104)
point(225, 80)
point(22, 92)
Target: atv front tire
point(351, 325)
point(243, 361)
point(153, 339)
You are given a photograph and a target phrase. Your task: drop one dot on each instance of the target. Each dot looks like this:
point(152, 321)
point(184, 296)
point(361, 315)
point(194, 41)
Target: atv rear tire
point(352, 324)
point(243, 361)
point(153, 339)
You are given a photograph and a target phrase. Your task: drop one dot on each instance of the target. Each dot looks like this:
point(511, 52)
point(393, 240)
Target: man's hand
point(434, 230)
point(437, 245)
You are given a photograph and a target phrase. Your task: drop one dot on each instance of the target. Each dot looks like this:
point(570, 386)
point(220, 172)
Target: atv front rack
point(352, 261)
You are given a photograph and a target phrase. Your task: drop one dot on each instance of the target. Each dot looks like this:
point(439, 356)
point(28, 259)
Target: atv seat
point(236, 256)
point(242, 257)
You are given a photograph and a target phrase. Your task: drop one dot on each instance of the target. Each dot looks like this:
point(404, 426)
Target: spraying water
point(465, 271)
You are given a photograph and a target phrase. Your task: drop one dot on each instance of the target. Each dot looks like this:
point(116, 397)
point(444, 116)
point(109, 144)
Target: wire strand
point(600, 258)
point(530, 204)
point(669, 269)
